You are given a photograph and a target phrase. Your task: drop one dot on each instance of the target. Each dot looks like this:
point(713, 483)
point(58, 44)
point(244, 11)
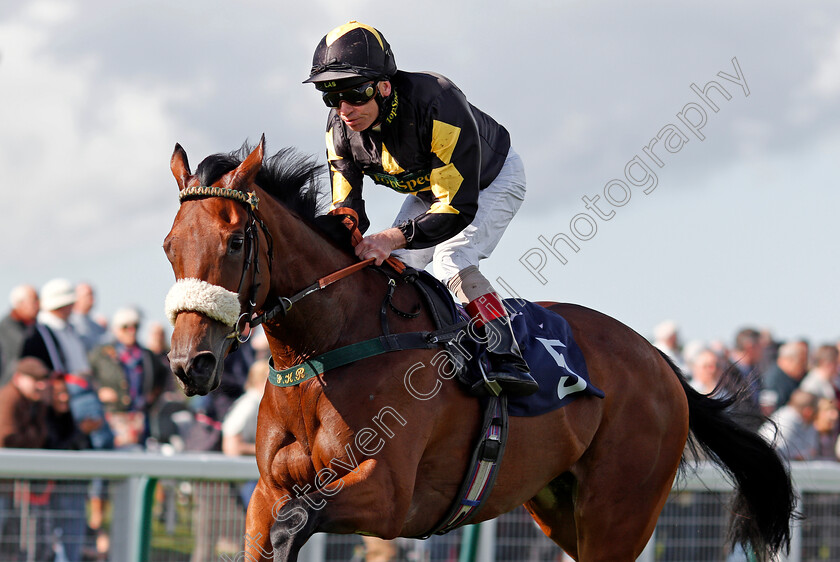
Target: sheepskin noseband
point(195, 295)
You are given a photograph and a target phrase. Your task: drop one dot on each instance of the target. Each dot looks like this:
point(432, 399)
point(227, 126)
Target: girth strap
point(354, 352)
point(482, 470)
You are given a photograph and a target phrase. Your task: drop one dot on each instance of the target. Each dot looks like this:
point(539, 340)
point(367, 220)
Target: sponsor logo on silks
point(393, 113)
point(577, 383)
point(408, 182)
point(327, 85)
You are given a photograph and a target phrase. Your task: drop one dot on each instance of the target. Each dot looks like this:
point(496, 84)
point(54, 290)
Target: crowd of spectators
point(70, 379)
point(793, 383)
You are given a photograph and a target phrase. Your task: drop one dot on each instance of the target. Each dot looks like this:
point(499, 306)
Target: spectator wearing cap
point(57, 344)
point(54, 340)
point(23, 423)
point(23, 411)
point(16, 327)
point(130, 378)
point(91, 331)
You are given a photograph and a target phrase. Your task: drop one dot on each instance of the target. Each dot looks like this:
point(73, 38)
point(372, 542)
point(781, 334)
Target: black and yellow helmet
point(350, 53)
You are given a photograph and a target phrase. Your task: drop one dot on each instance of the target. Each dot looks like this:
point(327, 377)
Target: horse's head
point(220, 258)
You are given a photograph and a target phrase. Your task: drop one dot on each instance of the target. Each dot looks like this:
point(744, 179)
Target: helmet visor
point(357, 95)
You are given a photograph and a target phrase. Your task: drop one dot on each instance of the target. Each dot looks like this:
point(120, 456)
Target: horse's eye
point(235, 245)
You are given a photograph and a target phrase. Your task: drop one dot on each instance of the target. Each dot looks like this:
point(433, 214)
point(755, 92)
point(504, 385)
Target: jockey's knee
point(469, 284)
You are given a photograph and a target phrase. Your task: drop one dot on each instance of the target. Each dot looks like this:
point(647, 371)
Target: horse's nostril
point(203, 365)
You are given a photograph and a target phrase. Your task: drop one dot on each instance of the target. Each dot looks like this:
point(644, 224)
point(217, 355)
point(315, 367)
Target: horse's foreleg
point(277, 526)
point(261, 515)
point(294, 522)
point(362, 501)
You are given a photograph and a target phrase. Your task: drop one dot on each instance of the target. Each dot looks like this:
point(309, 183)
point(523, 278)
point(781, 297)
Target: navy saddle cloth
point(546, 341)
point(556, 361)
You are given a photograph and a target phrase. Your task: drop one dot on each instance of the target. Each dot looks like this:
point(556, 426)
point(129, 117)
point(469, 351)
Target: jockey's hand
point(380, 245)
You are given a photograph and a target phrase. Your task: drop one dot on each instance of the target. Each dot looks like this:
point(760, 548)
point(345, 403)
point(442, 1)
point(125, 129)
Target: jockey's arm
point(455, 149)
point(345, 175)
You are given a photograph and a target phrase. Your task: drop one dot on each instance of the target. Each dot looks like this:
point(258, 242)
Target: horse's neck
point(321, 320)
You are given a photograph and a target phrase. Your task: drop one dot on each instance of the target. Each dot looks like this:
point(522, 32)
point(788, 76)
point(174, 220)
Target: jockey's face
point(361, 117)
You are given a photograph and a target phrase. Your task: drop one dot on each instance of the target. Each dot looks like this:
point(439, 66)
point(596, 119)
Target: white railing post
point(123, 497)
point(487, 541)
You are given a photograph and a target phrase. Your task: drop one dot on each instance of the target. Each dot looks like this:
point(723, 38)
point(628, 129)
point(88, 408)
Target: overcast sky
point(733, 221)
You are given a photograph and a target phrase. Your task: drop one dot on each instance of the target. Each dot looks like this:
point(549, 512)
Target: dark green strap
point(350, 353)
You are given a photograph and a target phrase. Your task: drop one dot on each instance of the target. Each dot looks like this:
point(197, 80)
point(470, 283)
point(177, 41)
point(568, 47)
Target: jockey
point(417, 134)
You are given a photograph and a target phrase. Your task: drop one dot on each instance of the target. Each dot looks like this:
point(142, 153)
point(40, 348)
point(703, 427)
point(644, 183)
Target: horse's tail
point(764, 497)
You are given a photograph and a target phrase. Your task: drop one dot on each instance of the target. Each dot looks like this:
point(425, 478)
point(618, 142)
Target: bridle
point(252, 247)
point(252, 242)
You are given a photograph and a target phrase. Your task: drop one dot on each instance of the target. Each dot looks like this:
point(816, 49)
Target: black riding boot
point(507, 366)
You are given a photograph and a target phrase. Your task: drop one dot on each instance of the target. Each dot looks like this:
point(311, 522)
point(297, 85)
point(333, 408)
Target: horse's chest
point(311, 454)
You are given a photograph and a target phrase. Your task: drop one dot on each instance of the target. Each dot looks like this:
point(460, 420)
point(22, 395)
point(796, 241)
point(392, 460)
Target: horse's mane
point(294, 179)
point(289, 176)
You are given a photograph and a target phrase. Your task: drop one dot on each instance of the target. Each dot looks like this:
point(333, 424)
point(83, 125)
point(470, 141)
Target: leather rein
point(252, 241)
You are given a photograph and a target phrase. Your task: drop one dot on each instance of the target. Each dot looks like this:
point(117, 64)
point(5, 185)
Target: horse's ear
point(246, 172)
point(180, 166)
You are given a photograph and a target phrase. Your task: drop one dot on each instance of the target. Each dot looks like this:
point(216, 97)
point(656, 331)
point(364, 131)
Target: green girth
point(322, 363)
point(354, 352)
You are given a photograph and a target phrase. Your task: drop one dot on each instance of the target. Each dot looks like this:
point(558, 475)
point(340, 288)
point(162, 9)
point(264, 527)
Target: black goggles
point(357, 95)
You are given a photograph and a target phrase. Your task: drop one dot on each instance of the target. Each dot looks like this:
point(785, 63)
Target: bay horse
point(351, 451)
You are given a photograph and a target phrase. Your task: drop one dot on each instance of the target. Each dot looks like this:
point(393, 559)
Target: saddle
point(545, 338)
